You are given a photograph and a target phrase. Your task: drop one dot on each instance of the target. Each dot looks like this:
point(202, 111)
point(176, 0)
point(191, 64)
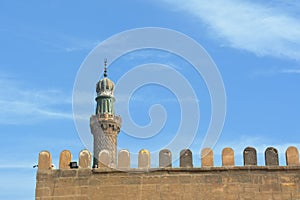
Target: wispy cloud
point(66, 43)
point(70, 43)
point(16, 166)
point(19, 105)
point(274, 71)
point(56, 40)
point(290, 71)
point(264, 29)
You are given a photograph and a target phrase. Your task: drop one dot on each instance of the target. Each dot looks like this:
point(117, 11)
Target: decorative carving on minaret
point(105, 125)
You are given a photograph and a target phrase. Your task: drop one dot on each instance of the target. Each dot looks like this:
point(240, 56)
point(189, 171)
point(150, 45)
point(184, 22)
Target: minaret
point(105, 125)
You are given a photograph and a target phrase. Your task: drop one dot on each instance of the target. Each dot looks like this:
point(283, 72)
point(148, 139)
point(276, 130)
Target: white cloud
point(261, 29)
point(55, 40)
point(16, 166)
point(66, 43)
point(70, 44)
point(290, 71)
point(19, 105)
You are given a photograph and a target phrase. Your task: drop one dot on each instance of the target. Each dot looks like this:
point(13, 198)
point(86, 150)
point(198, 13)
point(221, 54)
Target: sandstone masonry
point(206, 182)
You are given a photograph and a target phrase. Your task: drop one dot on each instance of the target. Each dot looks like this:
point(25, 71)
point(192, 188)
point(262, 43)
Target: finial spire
point(105, 67)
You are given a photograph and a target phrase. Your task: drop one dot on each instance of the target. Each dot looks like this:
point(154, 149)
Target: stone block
point(124, 159)
point(134, 180)
point(45, 160)
point(64, 159)
point(213, 179)
point(271, 157)
point(227, 157)
point(186, 158)
point(292, 156)
point(42, 192)
point(185, 179)
point(250, 156)
point(148, 191)
point(69, 173)
point(84, 172)
point(66, 191)
point(288, 187)
point(104, 159)
point(198, 179)
point(85, 159)
point(207, 157)
point(169, 179)
point(151, 180)
point(165, 158)
point(132, 191)
point(144, 159)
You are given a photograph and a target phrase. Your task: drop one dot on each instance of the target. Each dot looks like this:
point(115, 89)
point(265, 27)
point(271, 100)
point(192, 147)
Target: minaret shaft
point(105, 132)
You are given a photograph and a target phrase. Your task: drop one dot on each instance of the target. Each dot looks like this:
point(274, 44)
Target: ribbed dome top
point(105, 87)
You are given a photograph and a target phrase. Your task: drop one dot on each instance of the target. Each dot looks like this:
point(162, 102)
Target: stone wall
point(186, 182)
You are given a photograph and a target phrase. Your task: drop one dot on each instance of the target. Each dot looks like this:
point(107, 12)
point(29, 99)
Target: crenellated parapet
point(165, 159)
point(166, 181)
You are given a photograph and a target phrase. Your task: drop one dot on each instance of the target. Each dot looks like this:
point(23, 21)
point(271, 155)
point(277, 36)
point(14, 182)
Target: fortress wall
point(181, 183)
point(186, 182)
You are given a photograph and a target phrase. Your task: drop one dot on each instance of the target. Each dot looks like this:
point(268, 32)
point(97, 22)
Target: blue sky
point(255, 44)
